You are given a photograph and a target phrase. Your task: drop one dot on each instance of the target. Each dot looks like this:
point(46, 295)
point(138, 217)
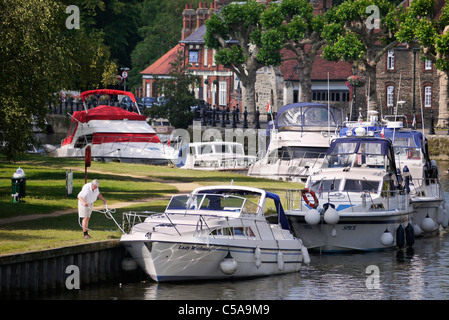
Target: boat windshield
point(324, 185)
point(354, 154)
point(214, 202)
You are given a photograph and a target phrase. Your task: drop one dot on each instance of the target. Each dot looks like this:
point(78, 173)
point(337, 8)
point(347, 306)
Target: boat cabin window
point(403, 153)
point(236, 231)
point(206, 149)
point(325, 185)
point(222, 148)
point(83, 141)
point(193, 151)
point(361, 185)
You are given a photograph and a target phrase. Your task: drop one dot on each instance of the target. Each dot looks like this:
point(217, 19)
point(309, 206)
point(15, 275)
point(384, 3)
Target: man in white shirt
point(86, 198)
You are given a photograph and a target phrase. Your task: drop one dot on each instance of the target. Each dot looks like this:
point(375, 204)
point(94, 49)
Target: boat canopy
point(364, 146)
point(306, 115)
point(107, 91)
point(107, 113)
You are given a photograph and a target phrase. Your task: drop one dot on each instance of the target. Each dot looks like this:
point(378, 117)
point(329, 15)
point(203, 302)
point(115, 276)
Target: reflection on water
point(421, 273)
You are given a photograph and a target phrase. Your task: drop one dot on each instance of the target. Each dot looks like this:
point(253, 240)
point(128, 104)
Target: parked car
point(147, 102)
point(162, 126)
point(126, 103)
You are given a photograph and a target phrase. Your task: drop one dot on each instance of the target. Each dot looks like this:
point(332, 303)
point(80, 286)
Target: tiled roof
point(337, 70)
point(162, 66)
point(196, 37)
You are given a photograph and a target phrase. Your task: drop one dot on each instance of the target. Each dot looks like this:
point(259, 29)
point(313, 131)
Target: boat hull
point(351, 233)
point(175, 261)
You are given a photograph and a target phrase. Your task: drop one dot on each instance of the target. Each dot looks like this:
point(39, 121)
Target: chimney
point(202, 14)
point(188, 21)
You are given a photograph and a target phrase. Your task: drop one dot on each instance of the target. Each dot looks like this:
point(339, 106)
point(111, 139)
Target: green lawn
point(46, 193)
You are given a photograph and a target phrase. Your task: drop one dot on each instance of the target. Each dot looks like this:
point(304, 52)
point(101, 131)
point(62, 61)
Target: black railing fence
point(233, 117)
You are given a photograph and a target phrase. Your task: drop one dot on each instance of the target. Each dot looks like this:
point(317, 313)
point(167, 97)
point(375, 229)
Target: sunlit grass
point(46, 193)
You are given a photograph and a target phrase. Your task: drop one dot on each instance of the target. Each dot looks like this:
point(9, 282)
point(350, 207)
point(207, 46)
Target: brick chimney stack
point(188, 21)
point(202, 14)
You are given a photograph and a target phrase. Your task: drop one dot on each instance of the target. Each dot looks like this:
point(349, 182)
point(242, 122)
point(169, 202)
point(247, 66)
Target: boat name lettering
point(193, 247)
point(350, 228)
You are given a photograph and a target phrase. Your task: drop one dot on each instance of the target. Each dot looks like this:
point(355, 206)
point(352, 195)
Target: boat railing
point(425, 187)
point(362, 200)
point(205, 222)
point(307, 161)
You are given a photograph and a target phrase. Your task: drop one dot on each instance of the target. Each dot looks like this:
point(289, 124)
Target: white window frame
point(428, 96)
point(390, 96)
point(428, 65)
point(222, 94)
point(390, 60)
point(205, 57)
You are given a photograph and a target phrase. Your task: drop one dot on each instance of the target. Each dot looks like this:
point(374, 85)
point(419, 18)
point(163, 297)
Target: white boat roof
point(230, 188)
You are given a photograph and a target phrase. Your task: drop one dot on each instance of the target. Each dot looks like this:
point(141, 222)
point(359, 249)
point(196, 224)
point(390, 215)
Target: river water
point(418, 274)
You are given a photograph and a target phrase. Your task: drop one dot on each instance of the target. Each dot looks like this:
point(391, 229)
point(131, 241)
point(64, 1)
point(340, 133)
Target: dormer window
point(193, 56)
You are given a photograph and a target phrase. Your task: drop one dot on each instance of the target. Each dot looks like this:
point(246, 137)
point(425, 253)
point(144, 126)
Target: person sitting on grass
point(86, 198)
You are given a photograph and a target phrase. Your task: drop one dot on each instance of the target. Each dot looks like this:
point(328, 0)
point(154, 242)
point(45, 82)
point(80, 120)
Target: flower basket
point(354, 81)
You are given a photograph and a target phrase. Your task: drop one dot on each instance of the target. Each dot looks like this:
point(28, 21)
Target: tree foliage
point(236, 34)
point(178, 94)
point(292, 24)
point(361, 32)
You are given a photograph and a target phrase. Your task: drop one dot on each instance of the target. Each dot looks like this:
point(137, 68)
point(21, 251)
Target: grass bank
point(46, 194)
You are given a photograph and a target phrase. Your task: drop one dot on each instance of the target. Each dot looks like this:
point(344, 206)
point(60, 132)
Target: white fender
point(312, 217)
point(258, 257)
point(280, 258)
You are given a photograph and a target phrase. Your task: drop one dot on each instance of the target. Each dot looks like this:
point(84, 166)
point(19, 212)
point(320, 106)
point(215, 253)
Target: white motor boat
point(420, 175)
point(216, 232)
point(420, 178)
point(355, 201)
point(214, 156)
point(113, 134)
point(298, 142)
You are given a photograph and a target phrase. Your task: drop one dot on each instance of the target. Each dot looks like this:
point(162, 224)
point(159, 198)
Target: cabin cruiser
point(214, 155)
point(420, 175)
point(355, 201)
point(216, 232)
point(298, 140)
point(113, 134)
point(420, 178)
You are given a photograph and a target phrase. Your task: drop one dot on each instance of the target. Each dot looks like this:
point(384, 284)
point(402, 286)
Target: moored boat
point(113, 134)
point(298, 140)
point(217, 232)
point(355, 201)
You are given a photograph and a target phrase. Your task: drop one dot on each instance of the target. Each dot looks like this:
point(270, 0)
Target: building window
point(390, 60)
point(427, 96)
point(428, 65)
point(222, 94)
point(193, 56)
point(205, 57)
point(390, 96)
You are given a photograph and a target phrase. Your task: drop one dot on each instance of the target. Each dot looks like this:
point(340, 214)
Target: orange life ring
point(307, 201)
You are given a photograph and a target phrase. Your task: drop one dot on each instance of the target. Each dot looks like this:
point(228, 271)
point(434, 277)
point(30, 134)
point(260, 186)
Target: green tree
point(422, 28)
point(178, 94)
point(35, 60)
point(160, 31)
point(291, 24)
point(354, 34)
point(236, 34)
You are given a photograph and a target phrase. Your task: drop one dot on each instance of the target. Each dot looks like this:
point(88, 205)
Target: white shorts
point(84, 212)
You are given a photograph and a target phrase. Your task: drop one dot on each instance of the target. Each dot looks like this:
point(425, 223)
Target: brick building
point(401, 75)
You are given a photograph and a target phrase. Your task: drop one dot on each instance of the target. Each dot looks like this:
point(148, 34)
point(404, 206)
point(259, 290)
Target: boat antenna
point(369, 97)
point(397, 100)
point(420, 98)
point(328, 109)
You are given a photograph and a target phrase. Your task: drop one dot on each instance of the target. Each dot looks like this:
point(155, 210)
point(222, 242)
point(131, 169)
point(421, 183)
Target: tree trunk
point(443, 113)
point(305, 84)
point(370, 89)
point(250, 101)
